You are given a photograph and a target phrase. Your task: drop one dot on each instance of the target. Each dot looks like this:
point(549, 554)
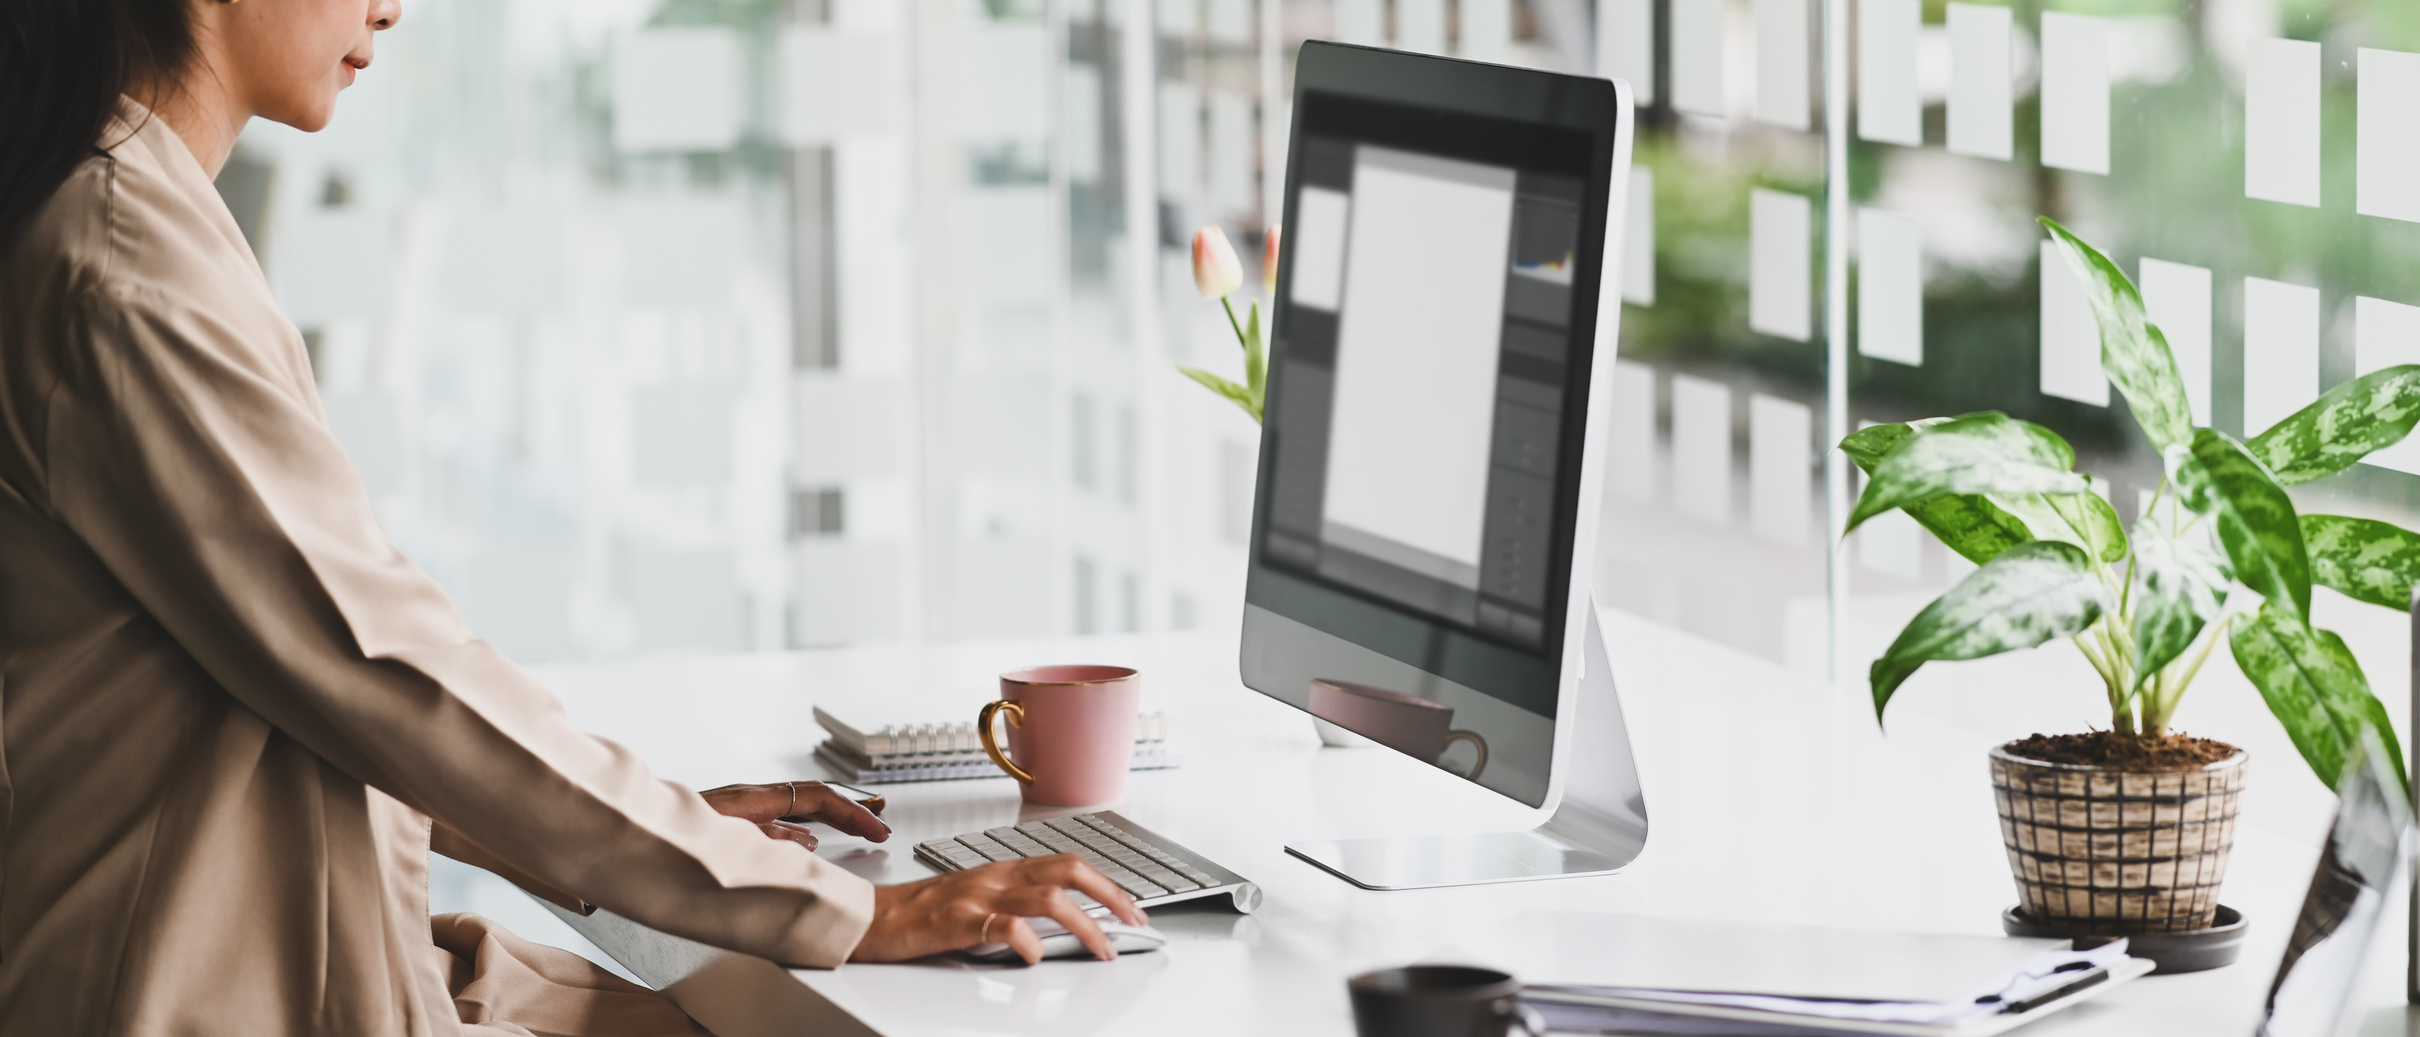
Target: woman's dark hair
point(63, 65)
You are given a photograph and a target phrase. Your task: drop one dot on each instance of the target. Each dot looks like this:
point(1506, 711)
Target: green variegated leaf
point(2368, 413)
point(2133, 352)
point(2313, 686)
point(2366, 559)
point(1988, 452)
point(2252, 515)
point(2030, 594)
point(1965, 523)
point(1234, 393)
point(2082, 519)
point(2179, 587)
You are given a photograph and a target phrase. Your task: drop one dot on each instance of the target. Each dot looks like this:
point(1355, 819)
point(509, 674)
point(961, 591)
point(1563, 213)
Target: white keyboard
point(1152, 869)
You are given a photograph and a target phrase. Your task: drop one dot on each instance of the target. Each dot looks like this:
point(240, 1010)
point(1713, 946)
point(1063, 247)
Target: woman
point(234, 720)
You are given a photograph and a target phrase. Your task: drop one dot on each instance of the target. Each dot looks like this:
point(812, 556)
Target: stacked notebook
point(942, 750)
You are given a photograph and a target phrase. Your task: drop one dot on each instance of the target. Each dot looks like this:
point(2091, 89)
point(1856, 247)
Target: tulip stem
point(1231, 321)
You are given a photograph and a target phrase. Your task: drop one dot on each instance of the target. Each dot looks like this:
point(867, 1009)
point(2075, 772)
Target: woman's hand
point(991, 903)
point(781, 810)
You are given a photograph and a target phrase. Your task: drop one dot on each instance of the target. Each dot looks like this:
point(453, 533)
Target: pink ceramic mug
point(1070, 732)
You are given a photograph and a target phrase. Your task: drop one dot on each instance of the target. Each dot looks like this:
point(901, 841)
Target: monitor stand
point(1599, 827)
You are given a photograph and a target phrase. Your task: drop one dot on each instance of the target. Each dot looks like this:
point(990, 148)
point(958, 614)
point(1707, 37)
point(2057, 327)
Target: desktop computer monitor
point(1432, 445)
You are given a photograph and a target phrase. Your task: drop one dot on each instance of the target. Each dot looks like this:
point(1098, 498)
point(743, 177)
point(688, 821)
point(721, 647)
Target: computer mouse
point(1057, 942)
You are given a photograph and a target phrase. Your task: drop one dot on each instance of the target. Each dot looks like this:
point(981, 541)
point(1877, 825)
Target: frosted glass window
point(2177, 299)
point(1780, 264)
point(1889, 109)
point(677, 89)
point(833, 84)
point(2075, 92)
point(2387, 123)
point(1890, 542)
point(1701, 448)
point(1083, 92)
point(2386, 334)
point(1487, 30)
point(1234, 160)
point(1320, 220)
point(2281, 122)
point(1979, 119)
point(1180, 140)
point(1781, 63)
point(1362, 22)
point(2071, 341)
point(1697, 56)
point(1890, 286)
point(1231, 21)
point(2281, 351)
point(1638, 239)
point(1420, 25)
point(1781, 441)
point(333, 265)
point(1626, 45)
point(1632, 471)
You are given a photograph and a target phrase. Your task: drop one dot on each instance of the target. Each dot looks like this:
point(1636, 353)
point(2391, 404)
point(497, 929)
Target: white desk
point(1770, 796)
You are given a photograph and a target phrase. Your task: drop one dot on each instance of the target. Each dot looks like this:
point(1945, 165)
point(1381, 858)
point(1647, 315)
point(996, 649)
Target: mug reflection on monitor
point(1414, 726)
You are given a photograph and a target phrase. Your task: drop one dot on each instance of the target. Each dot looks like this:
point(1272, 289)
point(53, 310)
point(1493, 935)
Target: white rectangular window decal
point(1890, 287)
point(2281, 351)
point(1979, 119)
point(2386, 334)
point(1701, 448)
point(2071, 341)
point(1781, 484)
point(1633, 434)
point(2177, 298)
point(2075, 92)
point(1697, 56)
point(1889, 109)
point(1780, 266)
point(1638, 239)
point(2281, 122)
point(2386, 179)
point(1781, 63)
point(1626, 45)
point(1321, 218)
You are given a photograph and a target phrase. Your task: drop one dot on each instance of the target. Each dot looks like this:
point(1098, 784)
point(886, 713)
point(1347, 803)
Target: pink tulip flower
point(1216, 272)
point(1268, 260)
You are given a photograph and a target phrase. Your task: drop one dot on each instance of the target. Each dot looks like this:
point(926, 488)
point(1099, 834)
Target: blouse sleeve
point(188, 449)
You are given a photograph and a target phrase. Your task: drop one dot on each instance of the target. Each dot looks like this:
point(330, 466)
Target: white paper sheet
point(1638, 239)
point(2281, 122)
point(1890, 287)
point(1626, 45)
point(1781, 63)
point(2177, 298)
point(1889, 108)
point(1697, 56)
point(2075, 92)
point(2071, 341)
point(2387, 121)
point(1980, 123)
point(1780, 263)
point(2386, 334)
point(1631, 471)
point(2281, 351)
point(1781, 487)
point(1701, 448)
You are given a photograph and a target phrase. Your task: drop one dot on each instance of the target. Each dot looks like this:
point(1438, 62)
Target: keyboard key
point(988, 847)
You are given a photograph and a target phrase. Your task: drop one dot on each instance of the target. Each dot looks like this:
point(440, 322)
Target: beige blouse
point(229, 707)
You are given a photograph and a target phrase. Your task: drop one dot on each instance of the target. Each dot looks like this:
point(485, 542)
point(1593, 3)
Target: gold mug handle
point(1016, 716)
point(1476, 743)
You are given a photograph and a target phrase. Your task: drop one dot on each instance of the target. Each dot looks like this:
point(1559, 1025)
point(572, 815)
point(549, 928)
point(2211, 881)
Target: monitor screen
point(1421, 448)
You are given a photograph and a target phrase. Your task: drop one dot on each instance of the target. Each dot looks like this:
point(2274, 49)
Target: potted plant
point(2127, 830)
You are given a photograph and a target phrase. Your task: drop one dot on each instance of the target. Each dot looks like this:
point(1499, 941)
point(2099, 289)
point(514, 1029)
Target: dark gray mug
point(1439, 1001)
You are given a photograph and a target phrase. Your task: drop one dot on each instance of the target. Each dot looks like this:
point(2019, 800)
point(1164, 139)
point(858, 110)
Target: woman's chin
point(310, 117)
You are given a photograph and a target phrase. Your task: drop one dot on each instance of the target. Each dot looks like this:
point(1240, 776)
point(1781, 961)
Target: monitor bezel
point(1530, 96)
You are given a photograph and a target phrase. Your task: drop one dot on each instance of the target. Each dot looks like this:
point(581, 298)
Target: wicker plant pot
point(2096, 850)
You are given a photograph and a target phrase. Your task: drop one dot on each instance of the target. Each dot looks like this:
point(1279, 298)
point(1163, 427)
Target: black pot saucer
point(2170, 952)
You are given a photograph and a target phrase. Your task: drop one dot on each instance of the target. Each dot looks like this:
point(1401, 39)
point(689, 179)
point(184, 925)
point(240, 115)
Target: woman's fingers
point(824, 803)
point(1020, 936)
point(791, 831)
point(1069, 871)
point(1059, 908)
